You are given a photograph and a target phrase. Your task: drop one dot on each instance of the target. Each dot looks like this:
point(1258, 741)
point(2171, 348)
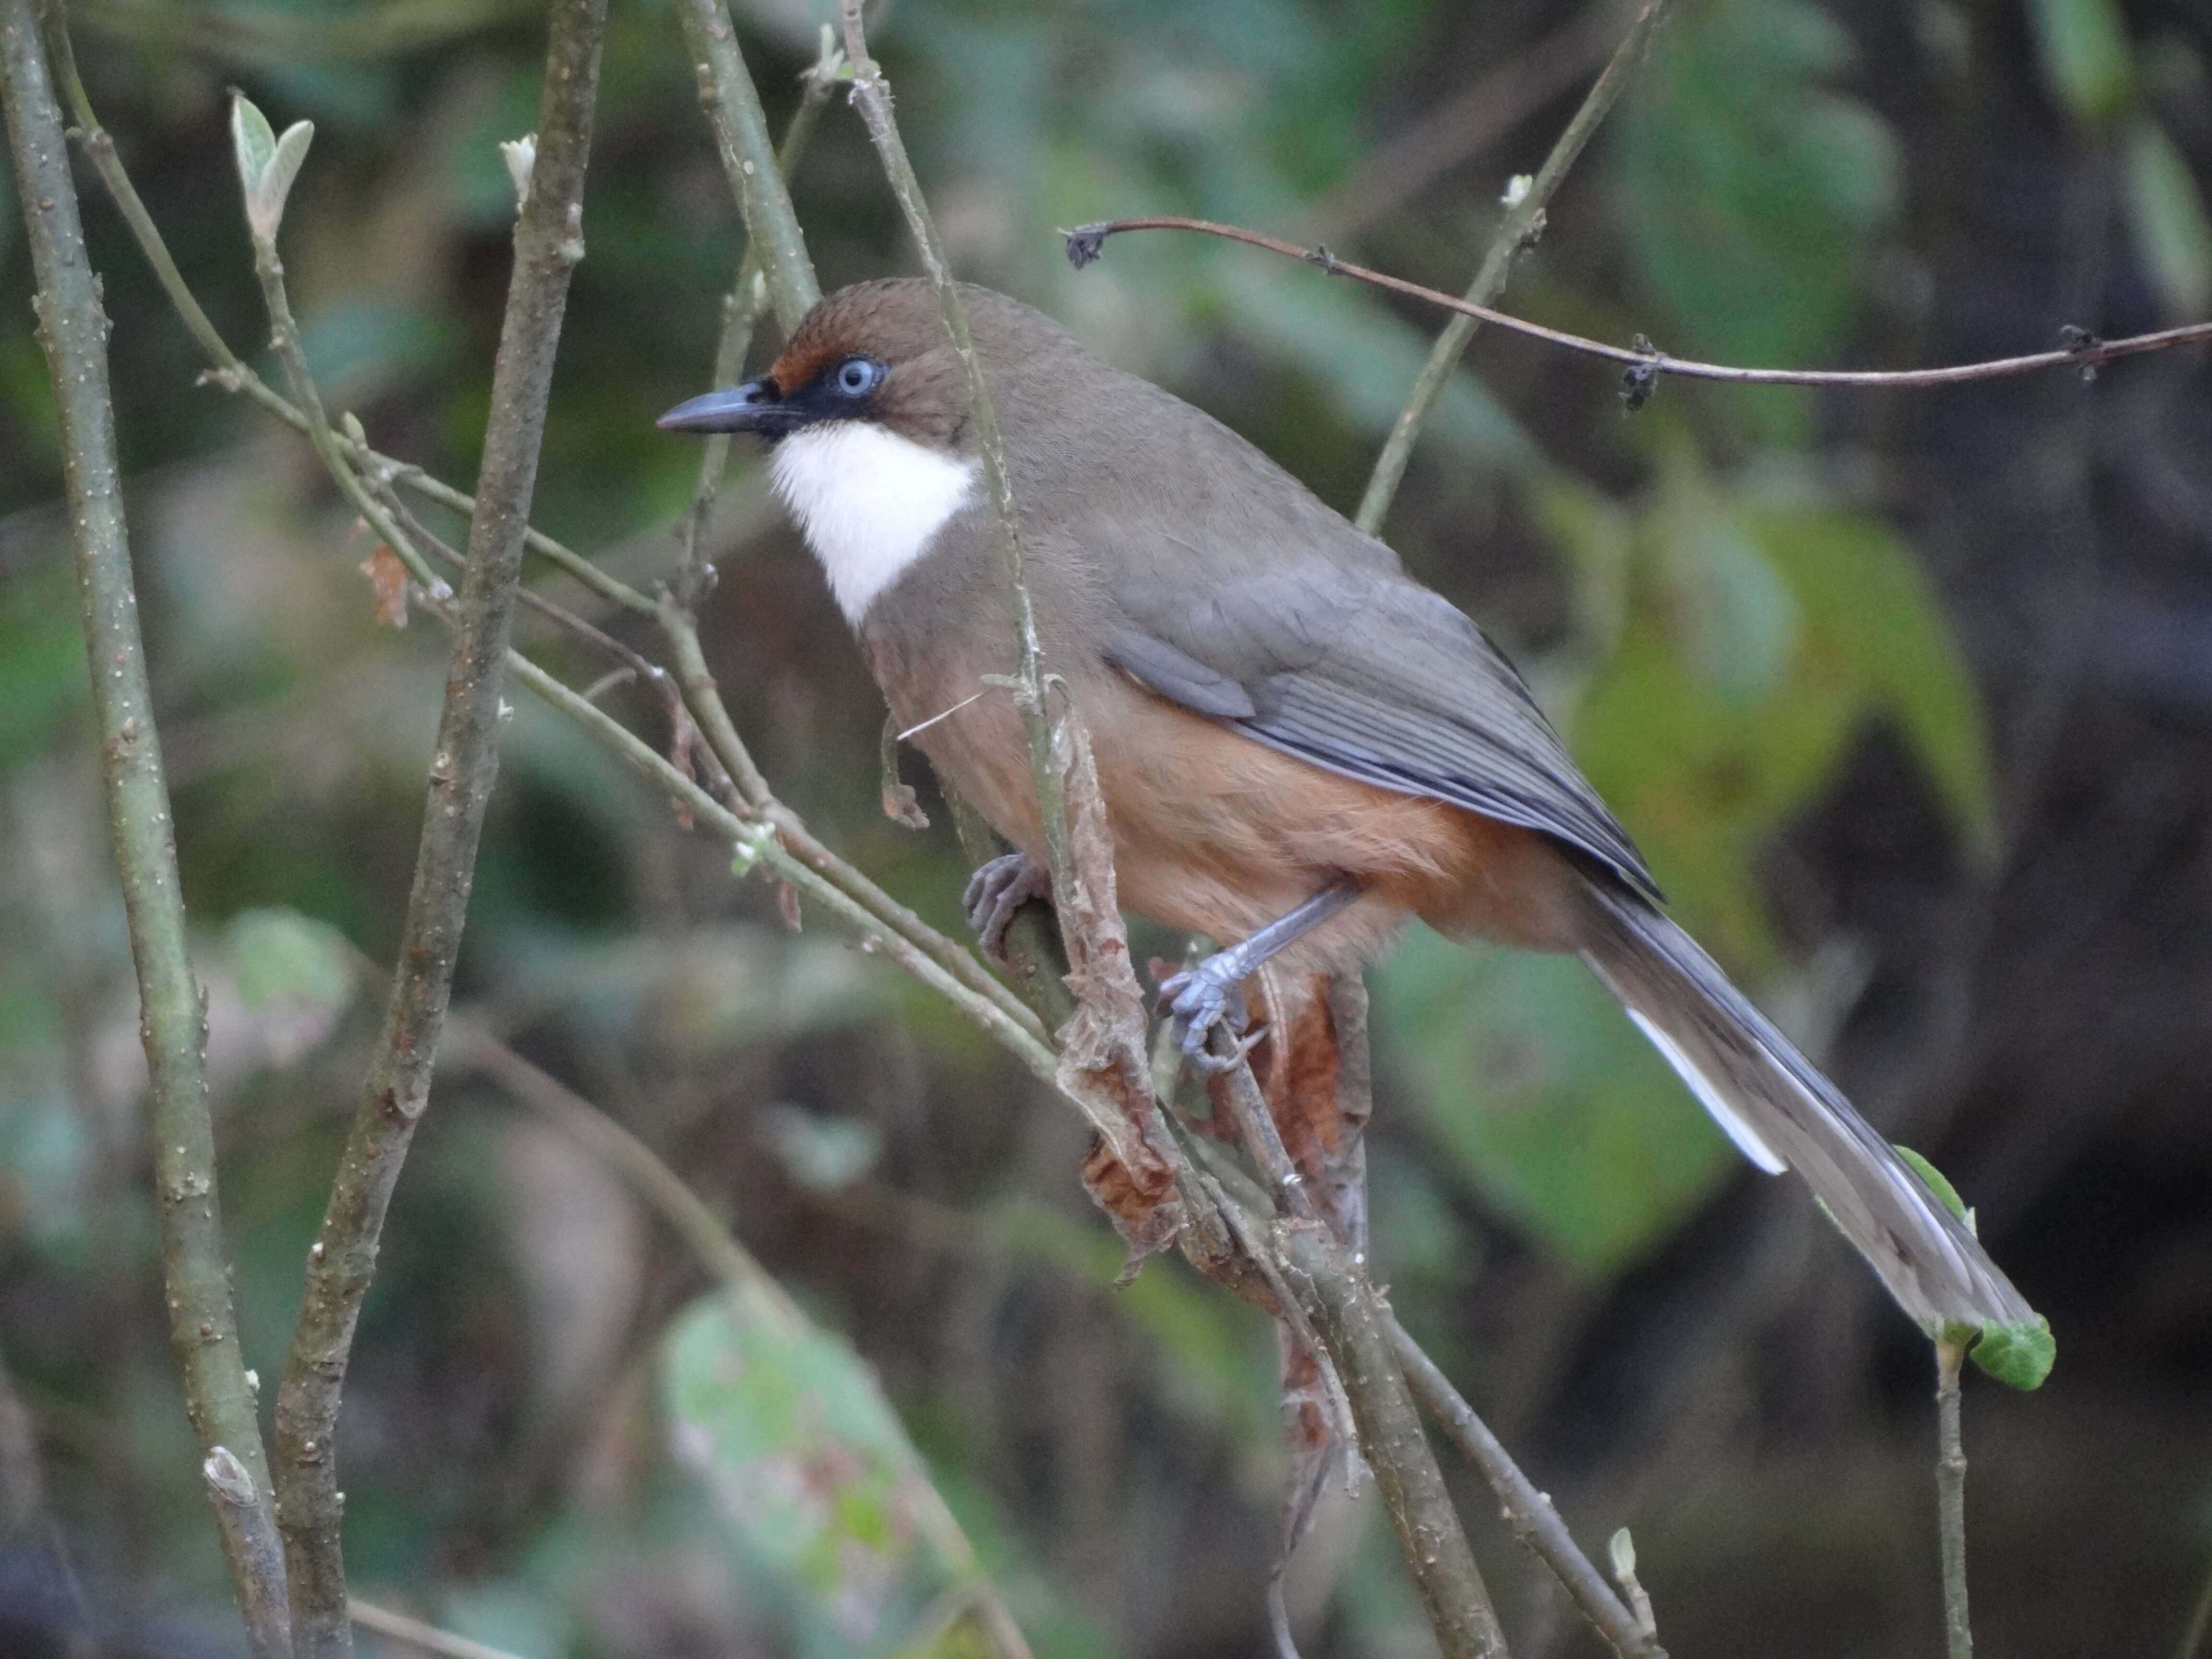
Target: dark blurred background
point(1908, 696)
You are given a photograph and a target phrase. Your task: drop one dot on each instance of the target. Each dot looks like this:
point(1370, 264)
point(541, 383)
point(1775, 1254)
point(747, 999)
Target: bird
point(1299, 746)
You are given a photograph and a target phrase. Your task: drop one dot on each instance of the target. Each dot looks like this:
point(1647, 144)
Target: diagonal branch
point(1534, 1522)
point(548, 243)
point(1522, 224)
point(203, 1330)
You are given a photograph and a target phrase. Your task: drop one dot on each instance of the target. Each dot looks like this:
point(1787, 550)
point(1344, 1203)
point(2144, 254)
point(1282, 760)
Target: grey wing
point(1370, 675)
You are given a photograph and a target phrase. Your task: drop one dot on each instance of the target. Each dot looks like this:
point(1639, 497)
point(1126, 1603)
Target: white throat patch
point(869, 502)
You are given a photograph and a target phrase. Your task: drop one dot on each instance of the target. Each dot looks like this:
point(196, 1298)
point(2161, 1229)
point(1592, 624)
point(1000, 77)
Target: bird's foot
point(995, 893)
point(1202, 999)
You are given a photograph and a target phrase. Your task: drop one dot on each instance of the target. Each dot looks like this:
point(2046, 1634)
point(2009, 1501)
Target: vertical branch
point(73, 331)
point(732, 105)
point(872, 96)
point(741, 310)
point(1951, 1498)
point(548, 243)
point(1522, 224)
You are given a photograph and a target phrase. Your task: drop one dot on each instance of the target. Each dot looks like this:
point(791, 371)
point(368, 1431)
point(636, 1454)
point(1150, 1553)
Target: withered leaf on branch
point(1102, 1060)
point(388, 580)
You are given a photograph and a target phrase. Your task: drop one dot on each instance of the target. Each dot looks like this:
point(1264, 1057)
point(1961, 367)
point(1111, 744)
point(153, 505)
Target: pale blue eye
point(857, 377)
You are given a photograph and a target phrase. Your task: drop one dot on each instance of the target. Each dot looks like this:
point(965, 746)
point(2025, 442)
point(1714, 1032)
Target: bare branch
point(386, 1621)
point(2086, 351)
point(548, 243)
point(734, 110)
point(1951, 1498)
point(1522, 224)
point(248, 1529)
point(73, 331)
point(1528, 1511)
point(1105, 1067)
point(1355, 1328)
point(741, 310)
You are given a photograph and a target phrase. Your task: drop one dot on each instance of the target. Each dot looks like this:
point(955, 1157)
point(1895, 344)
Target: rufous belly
point(1216, 833)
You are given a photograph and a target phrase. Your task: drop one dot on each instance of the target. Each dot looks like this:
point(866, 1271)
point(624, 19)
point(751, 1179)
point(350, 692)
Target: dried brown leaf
point(388, 580)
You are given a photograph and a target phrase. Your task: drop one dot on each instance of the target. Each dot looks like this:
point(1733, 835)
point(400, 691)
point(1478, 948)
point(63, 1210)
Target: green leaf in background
point(1752, 191)
point(283, 955)
point(1874, 621)
point(1551, 1106)
point(812, 1474)
point(1761, 633)
point(2083, 47)
point(2166, 212)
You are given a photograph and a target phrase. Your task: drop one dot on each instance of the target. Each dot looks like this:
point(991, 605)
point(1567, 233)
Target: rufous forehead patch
point(804, 359)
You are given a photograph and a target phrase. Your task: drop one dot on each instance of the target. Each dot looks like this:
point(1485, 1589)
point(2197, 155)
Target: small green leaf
point(2019, 1356)
point(267, 165)
point(264, 209)
point(1937, 1182)
point(2168, 215)
point(2086, 63)
point(1622, 1550)
point(253, 142)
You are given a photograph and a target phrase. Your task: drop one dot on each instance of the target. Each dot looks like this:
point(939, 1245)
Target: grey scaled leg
point(996, 892)
point(1200, 997)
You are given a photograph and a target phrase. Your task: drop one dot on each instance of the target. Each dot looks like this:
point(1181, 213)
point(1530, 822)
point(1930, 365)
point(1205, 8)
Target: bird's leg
point(1202, 996)
point(996, 892)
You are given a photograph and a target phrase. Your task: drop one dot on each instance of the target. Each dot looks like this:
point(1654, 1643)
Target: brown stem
point(73, 331)
point(1083, 244)
point(1534, 1522)
point(548, 243)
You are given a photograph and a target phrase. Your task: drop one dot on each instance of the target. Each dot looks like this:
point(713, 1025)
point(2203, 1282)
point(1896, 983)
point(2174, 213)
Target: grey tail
point(1783, 1114)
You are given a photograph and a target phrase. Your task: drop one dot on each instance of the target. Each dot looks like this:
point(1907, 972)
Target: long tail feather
point(1781, 1112)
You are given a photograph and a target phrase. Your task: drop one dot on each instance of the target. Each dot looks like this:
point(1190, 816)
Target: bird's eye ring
point(856, 377)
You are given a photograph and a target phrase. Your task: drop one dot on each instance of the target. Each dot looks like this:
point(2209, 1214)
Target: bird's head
point(875, 353)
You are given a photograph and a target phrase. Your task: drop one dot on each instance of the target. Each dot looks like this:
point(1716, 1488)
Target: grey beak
point(753, 407)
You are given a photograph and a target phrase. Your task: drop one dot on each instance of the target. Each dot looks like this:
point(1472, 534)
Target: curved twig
point(2082, 350)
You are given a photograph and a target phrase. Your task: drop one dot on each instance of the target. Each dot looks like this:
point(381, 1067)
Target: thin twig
point(1950, 1498)
point(73, 331)
point(710, 1240)
point(1522, 224)
point(1465, 125)
point(741, 310)
point(1104, 1065)
point(548, 244)
point(1530, 1514)
point(872, 96)
point(1355, 1330)
point(417, 1634)
point(2088, 352)
point(231, 374)
point(734, 110)
point(755, 843)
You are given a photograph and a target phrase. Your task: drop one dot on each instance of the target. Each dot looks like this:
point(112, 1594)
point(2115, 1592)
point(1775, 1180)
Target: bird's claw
point(995, 893)
point(1200, 999)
